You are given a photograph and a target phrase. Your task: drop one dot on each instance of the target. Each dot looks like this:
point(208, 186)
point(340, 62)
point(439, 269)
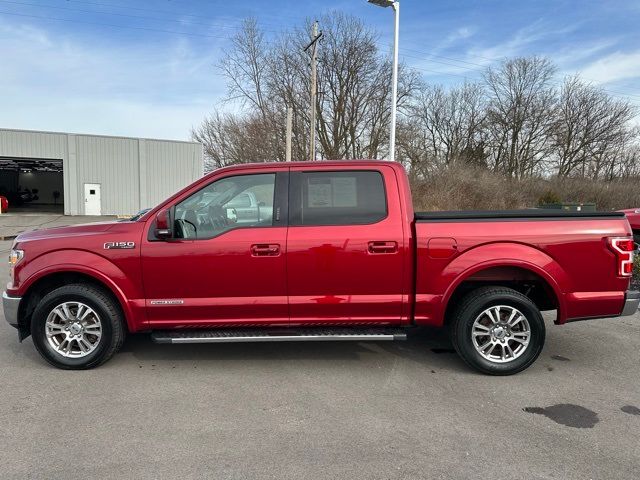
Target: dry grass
point(467, 188)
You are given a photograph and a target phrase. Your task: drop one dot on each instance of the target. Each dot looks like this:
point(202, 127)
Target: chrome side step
point(279, 335)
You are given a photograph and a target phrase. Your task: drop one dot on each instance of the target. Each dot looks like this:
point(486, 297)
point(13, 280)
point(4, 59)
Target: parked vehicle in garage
point(633, 215)
point(4, 204)
point(27, 195)
point(341, 255)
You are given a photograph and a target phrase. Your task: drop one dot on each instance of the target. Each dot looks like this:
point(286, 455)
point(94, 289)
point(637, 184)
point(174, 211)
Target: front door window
point(233, 202)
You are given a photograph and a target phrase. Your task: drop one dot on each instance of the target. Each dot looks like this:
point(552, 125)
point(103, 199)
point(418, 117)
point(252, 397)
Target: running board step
point(278, 335)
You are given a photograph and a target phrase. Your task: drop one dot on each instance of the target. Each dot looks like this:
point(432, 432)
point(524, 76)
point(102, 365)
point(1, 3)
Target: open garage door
point(32, 184)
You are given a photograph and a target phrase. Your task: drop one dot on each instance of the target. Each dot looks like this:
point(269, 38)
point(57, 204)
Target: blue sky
point(147, 68)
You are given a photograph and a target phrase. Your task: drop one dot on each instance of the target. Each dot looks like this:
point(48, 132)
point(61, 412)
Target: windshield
point(137, 216)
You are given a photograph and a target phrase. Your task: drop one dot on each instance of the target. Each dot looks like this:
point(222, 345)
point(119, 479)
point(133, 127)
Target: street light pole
point(394, 82)
point(394, 74)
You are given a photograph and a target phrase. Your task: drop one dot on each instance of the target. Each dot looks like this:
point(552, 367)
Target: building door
point(92, 199)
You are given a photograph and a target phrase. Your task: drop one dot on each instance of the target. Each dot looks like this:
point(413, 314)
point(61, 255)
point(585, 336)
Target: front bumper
point(10, 306)
point(631, 303)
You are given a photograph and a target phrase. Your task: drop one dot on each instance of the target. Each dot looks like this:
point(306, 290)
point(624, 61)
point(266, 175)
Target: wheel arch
point(533, 267)
point(50, 279)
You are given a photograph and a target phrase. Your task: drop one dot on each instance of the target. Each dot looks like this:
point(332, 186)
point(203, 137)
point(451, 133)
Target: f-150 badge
point(119, 245)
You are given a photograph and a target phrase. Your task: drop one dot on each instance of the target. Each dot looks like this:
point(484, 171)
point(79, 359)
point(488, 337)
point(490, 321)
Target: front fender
point(79, 261)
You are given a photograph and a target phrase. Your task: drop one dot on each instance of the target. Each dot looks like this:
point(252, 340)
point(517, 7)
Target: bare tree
point(591, 130)
point(521, 104)
point(448, 126)
point(353, 93)
point(628, 165)
point(232, 138)
point(244, 66)
point(514, 122)
point(355, 90)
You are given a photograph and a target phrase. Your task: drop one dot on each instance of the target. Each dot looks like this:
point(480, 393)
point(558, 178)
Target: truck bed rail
point(495, 215)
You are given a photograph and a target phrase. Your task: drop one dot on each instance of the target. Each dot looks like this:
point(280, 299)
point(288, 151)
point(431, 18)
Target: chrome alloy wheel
point(73, 329)
point(501, 333)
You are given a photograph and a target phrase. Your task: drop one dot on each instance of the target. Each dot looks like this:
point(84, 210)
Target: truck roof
point(322, 163)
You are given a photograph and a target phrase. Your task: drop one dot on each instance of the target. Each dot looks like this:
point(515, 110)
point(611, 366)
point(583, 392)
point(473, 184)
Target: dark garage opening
point(32, 184)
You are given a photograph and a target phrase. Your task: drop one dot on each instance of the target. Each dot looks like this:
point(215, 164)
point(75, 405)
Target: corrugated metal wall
point(19, 143)
point(133, 173)
point(113, 163)
point(181, 162)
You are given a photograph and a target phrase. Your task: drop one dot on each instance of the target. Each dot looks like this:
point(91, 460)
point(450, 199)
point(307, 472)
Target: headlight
point(15, 256)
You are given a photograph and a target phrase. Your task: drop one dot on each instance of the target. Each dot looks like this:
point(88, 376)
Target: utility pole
point(289, 129)
point(315, 36)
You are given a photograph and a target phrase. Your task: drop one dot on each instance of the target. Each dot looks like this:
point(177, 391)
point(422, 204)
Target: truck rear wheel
point(77, 327)
point(497, 330)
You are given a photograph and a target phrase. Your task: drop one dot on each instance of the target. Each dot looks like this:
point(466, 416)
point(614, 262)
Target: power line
point(144, 17)
point(115, 25)
point(443, 63)
point(439, 72)
point(169, 12)
point(453, 59)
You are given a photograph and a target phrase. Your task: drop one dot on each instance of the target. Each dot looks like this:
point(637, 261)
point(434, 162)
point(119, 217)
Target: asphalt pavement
point(396, 410)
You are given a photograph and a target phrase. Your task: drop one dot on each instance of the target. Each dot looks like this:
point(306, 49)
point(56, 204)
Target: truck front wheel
point(77, 327)
point(497, 330)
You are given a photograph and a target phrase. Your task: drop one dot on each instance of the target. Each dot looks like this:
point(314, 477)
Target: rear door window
point(337, 198)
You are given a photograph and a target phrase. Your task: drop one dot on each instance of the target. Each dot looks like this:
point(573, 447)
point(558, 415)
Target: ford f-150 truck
point(335, 253)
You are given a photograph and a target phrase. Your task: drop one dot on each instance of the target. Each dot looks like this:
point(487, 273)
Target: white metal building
point(93, 174)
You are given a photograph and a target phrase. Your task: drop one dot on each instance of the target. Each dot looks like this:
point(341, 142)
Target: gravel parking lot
point(398, 410)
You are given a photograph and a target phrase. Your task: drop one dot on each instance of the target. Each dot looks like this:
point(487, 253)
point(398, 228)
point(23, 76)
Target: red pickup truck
point(333, 251)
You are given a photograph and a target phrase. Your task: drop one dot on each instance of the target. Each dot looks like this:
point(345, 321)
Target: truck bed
point(566, 251)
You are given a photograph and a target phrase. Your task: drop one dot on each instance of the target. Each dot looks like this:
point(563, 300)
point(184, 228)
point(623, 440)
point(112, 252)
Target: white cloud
point(460, 34)
point(473, 61)
point(614, 67)
point(576, 55)
point(521, 41)
point(146, 88)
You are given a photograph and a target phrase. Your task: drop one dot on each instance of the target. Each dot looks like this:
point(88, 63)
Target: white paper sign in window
point(345, 193)
point(319, 193)
point(326, 192)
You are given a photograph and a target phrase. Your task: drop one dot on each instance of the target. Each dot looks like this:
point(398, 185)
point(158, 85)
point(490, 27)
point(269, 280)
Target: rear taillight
point(623, 247)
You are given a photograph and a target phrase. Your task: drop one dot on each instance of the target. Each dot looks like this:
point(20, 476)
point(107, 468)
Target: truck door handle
point(265, 250)
point(383, 247)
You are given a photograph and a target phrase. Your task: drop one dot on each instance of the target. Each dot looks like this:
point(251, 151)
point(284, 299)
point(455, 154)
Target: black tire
point(111, 319)
point(476, 302)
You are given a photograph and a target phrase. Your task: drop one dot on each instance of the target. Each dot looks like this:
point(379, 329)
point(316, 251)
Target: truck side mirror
point(163, 224)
